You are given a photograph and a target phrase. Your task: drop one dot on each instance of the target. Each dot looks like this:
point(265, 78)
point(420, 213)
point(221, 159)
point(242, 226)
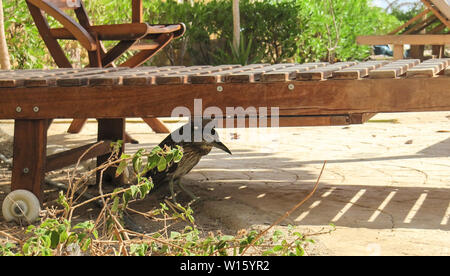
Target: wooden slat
point(81, 78)
point(151, 45)
point(422, 39)
point(148, 77)
point(127, 31)
point(34, 78)
point(220, 76)
point(394, 69)
point(429, 68)
point(290, 73)
point(183, 75)
point(358, 71)
point(254, 74)
point(323, 73)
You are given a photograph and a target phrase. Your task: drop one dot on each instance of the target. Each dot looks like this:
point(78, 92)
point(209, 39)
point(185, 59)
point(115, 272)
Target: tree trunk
point(236, 25)
point(4, 56)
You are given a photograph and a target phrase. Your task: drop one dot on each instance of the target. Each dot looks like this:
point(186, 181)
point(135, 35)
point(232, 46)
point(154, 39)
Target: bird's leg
point(194, 197)
point(172, 193)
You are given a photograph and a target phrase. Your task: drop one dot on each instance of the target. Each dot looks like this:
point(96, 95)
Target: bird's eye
point(213, 131)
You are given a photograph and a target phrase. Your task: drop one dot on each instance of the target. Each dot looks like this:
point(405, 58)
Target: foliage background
point(274, 31)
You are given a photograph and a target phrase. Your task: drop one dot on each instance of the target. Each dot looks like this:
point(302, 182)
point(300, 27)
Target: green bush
point(352, 17)
point(276, 30)
point(26, 48)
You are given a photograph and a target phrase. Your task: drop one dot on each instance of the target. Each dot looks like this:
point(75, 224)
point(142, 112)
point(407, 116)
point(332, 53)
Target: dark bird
point(197, 140)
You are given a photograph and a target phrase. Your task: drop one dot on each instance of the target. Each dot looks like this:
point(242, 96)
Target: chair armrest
point(85, 39)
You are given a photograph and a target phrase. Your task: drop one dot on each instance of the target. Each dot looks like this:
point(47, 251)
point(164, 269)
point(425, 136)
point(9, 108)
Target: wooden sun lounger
point(137, 35)
point(426, 28)
point(305, 94)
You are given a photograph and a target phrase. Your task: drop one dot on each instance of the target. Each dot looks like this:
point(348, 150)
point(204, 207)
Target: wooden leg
point(110, 129)
point(49, 123)
point(417, 51)
point(29, 157)
point(438, 51)
point(156, 125)
point(76, 125)
point(129, 139)
point(398, 52)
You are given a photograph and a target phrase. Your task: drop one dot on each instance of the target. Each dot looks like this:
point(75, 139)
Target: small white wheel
point(21, 205)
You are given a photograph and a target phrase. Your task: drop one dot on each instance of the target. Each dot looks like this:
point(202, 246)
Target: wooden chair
point(137, 35)
point(435, 18)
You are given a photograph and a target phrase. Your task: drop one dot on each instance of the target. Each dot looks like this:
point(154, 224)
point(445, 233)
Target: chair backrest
point(55, 9)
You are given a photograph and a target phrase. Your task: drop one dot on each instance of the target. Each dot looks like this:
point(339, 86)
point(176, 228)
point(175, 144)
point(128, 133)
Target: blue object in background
point(383, 50)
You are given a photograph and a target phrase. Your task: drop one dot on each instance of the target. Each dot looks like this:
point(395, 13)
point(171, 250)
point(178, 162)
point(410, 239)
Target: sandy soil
point(386, 185)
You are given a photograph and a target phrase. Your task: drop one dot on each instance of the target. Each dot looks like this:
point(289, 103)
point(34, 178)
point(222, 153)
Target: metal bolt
point(18, 109)
point(26, 170)
point(291, 86)
point(219, 88)
point(36, 109)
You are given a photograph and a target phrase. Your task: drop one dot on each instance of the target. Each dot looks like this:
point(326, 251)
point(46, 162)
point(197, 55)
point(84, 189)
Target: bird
point(193, 151)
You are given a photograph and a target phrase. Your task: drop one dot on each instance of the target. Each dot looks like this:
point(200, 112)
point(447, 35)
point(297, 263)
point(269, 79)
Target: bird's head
point(200, 132)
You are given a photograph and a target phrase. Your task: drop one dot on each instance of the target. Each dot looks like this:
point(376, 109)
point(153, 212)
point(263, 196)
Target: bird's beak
point(221, 146)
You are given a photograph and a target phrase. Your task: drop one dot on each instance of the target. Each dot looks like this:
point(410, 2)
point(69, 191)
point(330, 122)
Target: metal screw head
point(26, 170)
point(36, 109)
point(219, 88)
point(18, 109)
point(291, 86)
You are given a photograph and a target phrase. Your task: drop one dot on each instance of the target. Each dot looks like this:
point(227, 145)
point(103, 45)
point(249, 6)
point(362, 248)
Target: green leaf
point(277, 248)
point(145, 188)
point(134, 191)
point(152, 161)
point(169, 158)
point(175, 235)
point(122, 166)
point(126, 197)
point(137, 161)
point(63, 237)
point(162, 164)
point(299, 251)
point(54, 239)
point(226, 238)
point(26, 248)
point(115, 205)
point(86, 244)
